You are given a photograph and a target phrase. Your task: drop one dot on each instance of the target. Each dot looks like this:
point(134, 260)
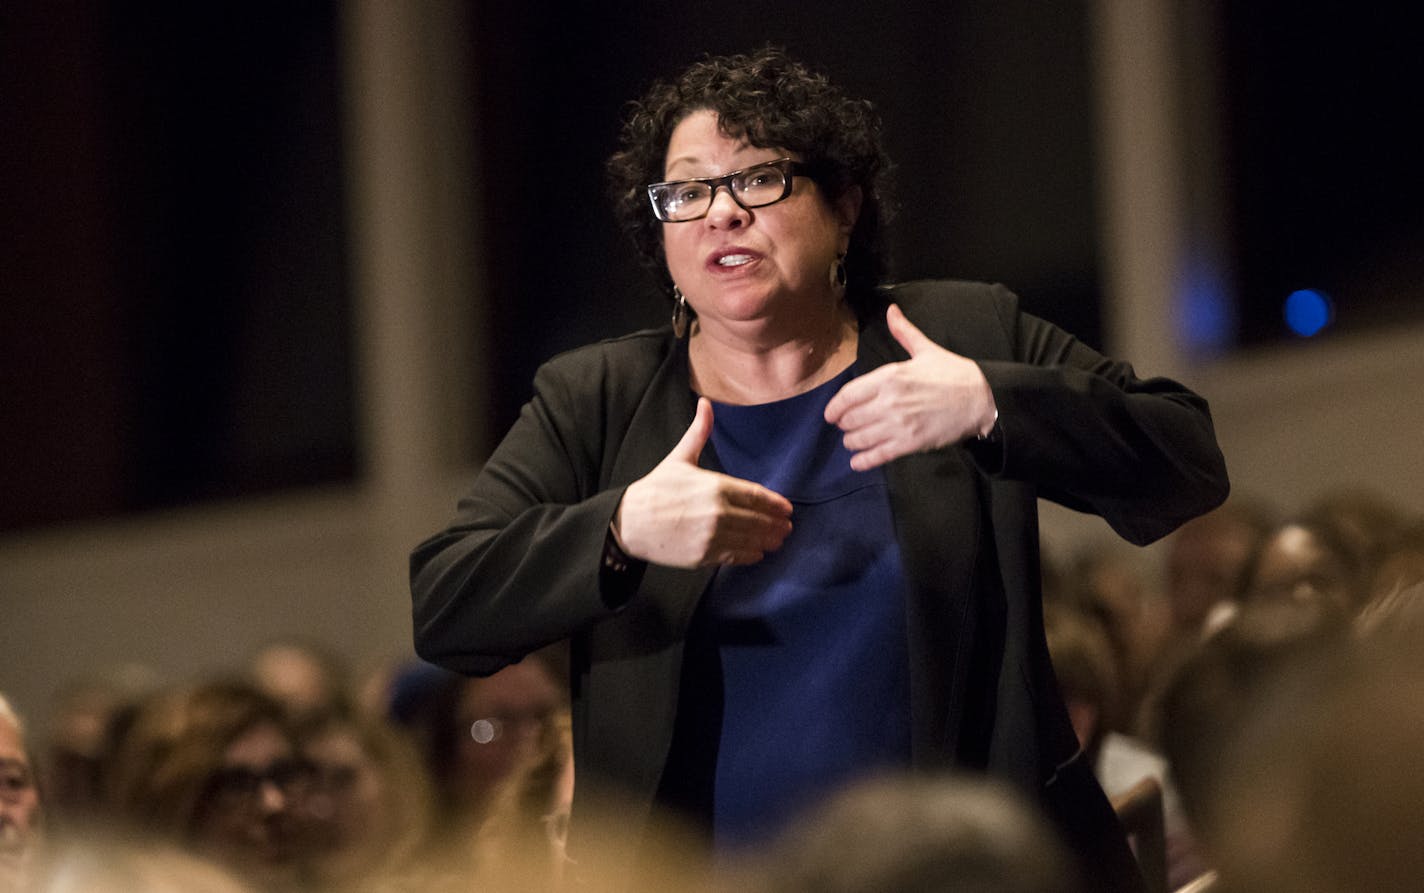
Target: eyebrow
point(694, 161)
point(690, 159)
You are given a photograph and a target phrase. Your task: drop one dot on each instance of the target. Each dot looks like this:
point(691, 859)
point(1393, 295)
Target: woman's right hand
point(680, 515)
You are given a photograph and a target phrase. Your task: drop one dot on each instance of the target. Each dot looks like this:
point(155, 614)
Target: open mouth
point(732, 257)
point(734, 260)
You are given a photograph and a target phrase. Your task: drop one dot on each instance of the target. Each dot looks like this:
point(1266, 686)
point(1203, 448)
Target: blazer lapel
point(936, 501)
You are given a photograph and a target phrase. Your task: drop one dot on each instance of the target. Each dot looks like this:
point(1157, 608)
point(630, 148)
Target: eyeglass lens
point(753, 187)
point(244, 782)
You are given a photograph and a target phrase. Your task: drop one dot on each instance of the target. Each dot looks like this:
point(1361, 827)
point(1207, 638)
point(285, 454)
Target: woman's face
point(500, 720)
point(741, 268)
point(348, 805)
point(251, 819)
point(1295, 566)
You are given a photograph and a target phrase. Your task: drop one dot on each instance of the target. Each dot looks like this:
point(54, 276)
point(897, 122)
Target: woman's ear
point(848, 209)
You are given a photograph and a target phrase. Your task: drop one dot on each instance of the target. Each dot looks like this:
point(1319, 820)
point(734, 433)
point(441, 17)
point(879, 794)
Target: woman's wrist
point(615, 554)
point(990, 431)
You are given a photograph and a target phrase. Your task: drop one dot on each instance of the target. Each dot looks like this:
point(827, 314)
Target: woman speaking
point(792, 537)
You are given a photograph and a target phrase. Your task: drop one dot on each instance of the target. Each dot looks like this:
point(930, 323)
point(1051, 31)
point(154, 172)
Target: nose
point(272, 798)
point(726, 212)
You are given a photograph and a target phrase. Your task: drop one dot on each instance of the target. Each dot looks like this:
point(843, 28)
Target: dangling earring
point(838, 273)
point(679, 313)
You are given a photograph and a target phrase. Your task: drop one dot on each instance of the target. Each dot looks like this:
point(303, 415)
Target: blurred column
point(415, 256)
point(1167, 302)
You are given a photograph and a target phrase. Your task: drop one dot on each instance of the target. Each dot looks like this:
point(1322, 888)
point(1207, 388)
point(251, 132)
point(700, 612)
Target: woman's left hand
point(933, 399)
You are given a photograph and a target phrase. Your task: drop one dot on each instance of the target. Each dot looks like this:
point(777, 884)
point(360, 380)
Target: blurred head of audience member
point(216, 768)
point(1207, 559)
point(1087, 672)
point(916, 835)
point(473, 732)
point(1325, 791)
point(1219, 689)
point(369, 803)
point(1363, 520)
point(89, 716)
point(1306, 562)
point(302, 676)
point(1110, 583)
point(1396, 614)
point(20, 812)
point(523, 839)
point(1401, 562)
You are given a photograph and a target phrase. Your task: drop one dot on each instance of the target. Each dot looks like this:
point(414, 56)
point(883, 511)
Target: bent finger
point(881, 453)
point(859, 440)
point(746, 527)
point(750, 495)
point(733, 558)
point(856, 392)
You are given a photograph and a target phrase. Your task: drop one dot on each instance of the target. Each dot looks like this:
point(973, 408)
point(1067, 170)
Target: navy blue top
point(810, 643)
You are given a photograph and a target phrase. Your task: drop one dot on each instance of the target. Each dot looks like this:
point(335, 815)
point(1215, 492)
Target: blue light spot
point(1204, 310)
point(1205, 319)
point(1308, 311)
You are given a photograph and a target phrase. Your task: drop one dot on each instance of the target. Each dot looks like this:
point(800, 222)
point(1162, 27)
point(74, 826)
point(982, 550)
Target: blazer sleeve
point(1092, 436)
point(519, 566)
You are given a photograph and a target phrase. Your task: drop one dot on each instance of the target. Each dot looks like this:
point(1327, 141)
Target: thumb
point(689, 449)
point(905, 332)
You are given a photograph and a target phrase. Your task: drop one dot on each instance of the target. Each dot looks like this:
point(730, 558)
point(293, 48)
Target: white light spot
point(483, 731)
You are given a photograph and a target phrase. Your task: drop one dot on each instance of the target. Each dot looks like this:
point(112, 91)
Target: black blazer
point(520, 566)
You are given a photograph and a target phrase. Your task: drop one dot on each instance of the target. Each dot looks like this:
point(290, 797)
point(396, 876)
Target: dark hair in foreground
point(916, 835)
point(774, 102)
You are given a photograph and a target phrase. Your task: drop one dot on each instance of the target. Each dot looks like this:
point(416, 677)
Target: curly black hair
point(772, 101)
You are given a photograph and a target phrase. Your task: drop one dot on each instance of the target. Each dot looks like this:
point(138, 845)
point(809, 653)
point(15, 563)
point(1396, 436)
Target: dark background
point(175, 310)
point(1324, 183)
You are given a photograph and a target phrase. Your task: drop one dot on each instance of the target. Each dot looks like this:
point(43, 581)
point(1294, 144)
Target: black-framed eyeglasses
point(240, 783)
point(678, 201)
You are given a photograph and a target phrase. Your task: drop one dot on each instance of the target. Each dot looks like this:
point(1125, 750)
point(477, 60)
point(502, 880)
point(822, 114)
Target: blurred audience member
point(1108, 582)
point(1363, 520)
point(1398, 613)
point(89, 716)
point(1401, 562)
point(1325, 792)
point(374, 689)
point(473, 731)
point(302, 676)
point(1086, 668)
point(20, 811)
point(369, 803)
point(1207, 561)
point(1206, 566)
point(916, 835)
point(216, 768)
point(1086, 672)
point(1222, 687)
point(521, 845)
point(1303, 561)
